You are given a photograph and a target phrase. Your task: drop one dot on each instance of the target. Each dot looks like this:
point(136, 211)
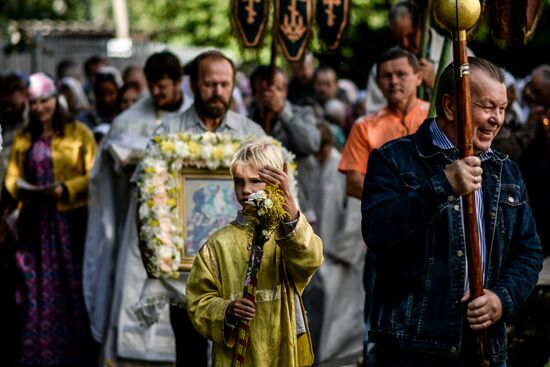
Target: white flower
point(257, 196)
point(160, 166)
point(144, 212)
point(209, 138)
point(206, 151)
point(228, 151)
point(268, 203)
point(181, 149)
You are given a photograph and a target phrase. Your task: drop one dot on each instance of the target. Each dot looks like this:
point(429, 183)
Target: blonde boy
point(279, 335)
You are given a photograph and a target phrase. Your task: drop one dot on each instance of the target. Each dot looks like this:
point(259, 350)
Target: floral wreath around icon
point(161, 233)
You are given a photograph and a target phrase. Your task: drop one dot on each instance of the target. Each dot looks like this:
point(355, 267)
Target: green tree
point(197, 22)
point(42, 9)
point(207, 23)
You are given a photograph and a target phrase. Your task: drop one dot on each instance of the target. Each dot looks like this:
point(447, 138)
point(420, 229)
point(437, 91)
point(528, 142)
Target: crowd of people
point(392, 289)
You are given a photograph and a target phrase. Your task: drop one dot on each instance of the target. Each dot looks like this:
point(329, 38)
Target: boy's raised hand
point(271, 176)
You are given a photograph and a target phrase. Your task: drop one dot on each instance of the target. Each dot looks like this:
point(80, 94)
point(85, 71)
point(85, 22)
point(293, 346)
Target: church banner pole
point(269, 114)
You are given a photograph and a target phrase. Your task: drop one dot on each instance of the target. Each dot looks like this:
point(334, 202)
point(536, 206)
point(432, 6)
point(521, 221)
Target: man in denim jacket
point(423, 313)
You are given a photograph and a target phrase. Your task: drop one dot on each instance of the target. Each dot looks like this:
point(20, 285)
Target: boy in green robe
point(279, 334)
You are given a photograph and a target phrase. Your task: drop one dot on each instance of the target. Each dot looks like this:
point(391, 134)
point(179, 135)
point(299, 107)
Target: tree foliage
point(42, 9)
point(207, 23)
point(197, 22)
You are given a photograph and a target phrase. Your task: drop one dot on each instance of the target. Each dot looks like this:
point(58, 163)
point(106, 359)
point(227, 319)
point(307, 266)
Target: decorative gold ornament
point(445, 13)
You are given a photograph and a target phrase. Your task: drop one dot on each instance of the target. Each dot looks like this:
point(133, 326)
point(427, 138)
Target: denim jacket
point(412, 221)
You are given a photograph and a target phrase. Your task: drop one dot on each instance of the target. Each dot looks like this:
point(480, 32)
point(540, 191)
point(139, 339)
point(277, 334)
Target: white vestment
point(339, 226)
point(105, 251)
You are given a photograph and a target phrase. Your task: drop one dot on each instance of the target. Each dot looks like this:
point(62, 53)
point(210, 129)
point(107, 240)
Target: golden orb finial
point(445, 13)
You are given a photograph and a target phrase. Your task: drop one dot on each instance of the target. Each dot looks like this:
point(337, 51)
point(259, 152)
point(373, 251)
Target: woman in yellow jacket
point(48, 170)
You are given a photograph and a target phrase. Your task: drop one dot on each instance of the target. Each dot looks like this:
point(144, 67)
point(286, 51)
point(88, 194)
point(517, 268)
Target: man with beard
point(212, 79)
point(107, 286)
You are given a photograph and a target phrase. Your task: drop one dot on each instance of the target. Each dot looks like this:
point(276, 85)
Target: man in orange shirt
point(398, 76)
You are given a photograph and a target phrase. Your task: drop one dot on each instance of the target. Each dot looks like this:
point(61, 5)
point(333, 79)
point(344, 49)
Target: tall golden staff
point(457, 17)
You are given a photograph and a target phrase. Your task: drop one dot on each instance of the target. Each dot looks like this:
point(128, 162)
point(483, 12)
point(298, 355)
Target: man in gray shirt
point(212, 78)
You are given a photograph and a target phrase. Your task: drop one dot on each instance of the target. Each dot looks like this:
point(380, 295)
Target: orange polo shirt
point(372, 131)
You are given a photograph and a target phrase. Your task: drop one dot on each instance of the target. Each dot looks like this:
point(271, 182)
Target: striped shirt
point(440, 140)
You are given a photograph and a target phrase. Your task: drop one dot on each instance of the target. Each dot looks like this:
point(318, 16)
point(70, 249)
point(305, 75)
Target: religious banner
point(294, 18)
point(332, 21)
point(249, 20)
point(512, 20)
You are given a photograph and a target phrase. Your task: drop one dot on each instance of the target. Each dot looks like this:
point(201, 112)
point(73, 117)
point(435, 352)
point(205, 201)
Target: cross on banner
point(294, 20)
point(329, 10)
point(332, 21)
point(249, 18)
point(293, 29)
point(250, 10)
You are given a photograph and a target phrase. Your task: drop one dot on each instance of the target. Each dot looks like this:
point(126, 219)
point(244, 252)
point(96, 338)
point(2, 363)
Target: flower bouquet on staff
point(265, 211)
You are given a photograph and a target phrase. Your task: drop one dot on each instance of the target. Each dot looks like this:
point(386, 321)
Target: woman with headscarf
point(72, 91)
point(107, 84)
point(47, 173)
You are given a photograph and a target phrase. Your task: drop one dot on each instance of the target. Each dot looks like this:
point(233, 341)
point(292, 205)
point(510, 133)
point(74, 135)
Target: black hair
point(263, 73)
point(397, 53)
point(11, 83)
point(60, 118)
point(92, 60)
point(104, 77)
point(66, 67)
point(162, 64)
point(324, 68)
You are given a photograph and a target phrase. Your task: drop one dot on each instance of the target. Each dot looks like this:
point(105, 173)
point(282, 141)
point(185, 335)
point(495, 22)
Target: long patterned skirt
point(54, 328)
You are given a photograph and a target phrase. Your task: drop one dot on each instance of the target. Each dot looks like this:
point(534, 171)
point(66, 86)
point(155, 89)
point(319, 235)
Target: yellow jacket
point(217, 278)
point(72, 157)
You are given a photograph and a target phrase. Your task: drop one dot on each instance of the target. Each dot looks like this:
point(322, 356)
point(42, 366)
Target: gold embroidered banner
point(332, 21)
point(293, 22)
point(249, 18)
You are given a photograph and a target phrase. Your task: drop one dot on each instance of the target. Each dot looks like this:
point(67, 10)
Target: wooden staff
point(251, 283)
point(457, 18)
point(463, 114)
point(269, 114)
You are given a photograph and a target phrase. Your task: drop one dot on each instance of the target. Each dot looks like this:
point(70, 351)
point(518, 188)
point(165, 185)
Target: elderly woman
point(48, 170)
